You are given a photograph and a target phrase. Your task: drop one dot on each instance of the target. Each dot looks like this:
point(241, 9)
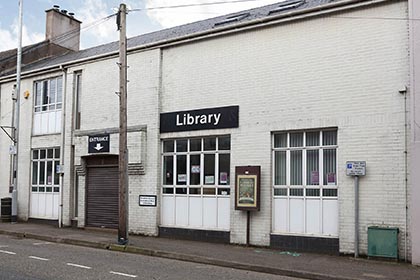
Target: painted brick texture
point(342, 70)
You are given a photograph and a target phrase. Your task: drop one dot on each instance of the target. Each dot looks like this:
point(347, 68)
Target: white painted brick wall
point(338, 71)
point(344, 71)
point(100, 110)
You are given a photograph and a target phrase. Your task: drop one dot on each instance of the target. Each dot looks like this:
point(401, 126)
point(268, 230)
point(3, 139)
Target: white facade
point(340, 71)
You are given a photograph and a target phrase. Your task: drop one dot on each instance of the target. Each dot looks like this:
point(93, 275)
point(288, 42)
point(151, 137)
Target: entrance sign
point(211, 118)
point(247, 191)
point(98, 144)
point(147, 200)
point(356, 168)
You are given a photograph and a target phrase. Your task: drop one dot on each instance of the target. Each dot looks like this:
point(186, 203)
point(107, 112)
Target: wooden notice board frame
point(247, 188)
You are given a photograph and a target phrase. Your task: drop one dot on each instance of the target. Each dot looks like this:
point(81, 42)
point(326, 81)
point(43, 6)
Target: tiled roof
point(208, 25)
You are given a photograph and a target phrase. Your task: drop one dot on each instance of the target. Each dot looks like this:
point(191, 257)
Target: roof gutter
point(257, 23)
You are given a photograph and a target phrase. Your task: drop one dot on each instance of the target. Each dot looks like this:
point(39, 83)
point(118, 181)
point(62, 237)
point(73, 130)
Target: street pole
point(15, 129)
point(356, 216)
point(123, 155)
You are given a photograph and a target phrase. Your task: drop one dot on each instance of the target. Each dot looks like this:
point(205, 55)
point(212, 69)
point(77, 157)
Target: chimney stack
point(62, 28)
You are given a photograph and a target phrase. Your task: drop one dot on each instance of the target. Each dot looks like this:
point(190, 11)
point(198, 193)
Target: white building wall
point(26, 142)
point(100, 111)
point(414, 96)
point(342, 70)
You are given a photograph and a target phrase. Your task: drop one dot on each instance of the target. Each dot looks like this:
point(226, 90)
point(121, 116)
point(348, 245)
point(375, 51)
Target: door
point(102, 196)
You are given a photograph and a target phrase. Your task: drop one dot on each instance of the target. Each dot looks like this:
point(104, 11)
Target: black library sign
point(211, 118)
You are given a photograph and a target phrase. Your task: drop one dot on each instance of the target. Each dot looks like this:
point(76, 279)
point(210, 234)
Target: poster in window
point(182, 178)
point(195, 169)
point(209, 180)
point(223, 178)
point(331, 179)
point(314, 178)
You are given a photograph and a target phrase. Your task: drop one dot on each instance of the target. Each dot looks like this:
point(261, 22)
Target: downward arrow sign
point(98, 147)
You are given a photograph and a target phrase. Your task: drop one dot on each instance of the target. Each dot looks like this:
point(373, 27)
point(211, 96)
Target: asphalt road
point(26, 259)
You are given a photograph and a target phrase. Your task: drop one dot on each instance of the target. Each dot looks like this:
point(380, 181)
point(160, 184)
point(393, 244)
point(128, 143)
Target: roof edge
point(257, 23)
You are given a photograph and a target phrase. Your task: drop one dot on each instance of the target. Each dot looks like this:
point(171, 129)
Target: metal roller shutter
point(102, 197)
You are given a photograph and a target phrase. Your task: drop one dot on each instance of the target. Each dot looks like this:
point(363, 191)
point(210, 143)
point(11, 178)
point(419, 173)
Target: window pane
point(57, 153)
point(280, 192)
point(52, 91)
point(195, 145)
point(195, 170)
point(330, 167)
point(38, 94)
point(168, 190)
point(56, 189)
point(312, 192)
point(296, 192)
point(224, 143)
point(280, 168)
point(223, 191)
point(209, 169)
point(224, 169)
point(56, 176)
point(34, 173)
point(195, 191)
point(168, 170)
point(280, 140)
point(42, 154)
point(296, 139)
point(181, 190)
point(168, 146)
point(329, 138)
point(50, 153)
point(35, 154)
point(312, 167)
point(209, 191)
point(210, 144)
point(59, 89)
point(181, 170)
point(181, 145)
point(329, 192)
point(42, 173)
point(295, 167)
point(312, 138)
point(49, 173)
point(45, 93)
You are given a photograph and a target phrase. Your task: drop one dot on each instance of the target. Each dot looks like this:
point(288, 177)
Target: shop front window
point(196, 182)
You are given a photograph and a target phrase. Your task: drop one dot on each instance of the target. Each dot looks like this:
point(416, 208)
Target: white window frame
point(202, 193)
point(188, 154)
point(279, 190)
point(37, 187)
point(48, 106)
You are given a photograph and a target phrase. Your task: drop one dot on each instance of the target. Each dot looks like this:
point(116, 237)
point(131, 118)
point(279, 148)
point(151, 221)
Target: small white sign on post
point(356, 168)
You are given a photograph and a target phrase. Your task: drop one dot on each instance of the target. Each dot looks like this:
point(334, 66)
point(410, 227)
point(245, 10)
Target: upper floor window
point(77, 91)
point(47, 107)
point(48, 94)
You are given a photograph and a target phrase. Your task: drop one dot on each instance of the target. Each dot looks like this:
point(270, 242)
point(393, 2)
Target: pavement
point(294, 264)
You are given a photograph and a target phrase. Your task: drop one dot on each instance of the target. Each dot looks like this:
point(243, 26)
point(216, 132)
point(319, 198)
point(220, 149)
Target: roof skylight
point(286, 6)
point(232, 19)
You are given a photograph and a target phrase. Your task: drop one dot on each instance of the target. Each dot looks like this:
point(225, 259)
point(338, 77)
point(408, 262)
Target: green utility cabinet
point(383, 242)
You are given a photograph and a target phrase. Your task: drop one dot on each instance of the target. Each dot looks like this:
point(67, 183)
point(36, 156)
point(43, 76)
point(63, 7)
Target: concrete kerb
point(177, 256)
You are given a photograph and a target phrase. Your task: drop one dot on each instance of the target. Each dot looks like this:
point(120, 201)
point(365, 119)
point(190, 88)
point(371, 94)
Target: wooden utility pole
point(123, 156)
